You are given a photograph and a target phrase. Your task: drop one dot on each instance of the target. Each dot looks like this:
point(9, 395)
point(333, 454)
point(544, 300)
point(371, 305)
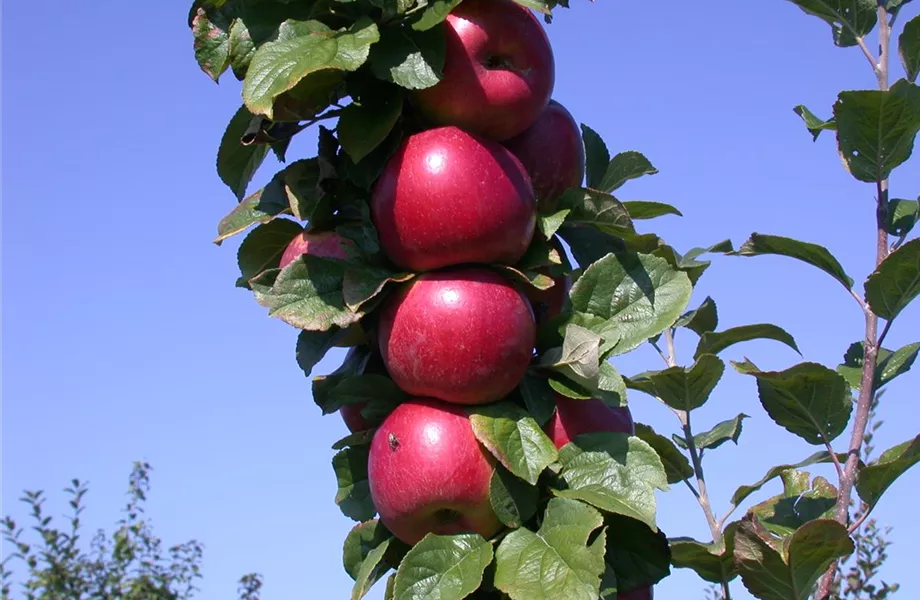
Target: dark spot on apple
point(498, 62)
point(447, 516)
point(393, 441)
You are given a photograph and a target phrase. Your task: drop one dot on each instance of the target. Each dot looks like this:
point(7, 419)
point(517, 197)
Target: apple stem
point(872, 340)
point(696, 458)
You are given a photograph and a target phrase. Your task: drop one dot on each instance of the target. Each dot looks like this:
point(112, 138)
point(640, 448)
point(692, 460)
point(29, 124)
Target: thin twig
point(860, 300)
point(834, 459)
point(869, 56)
point(862, 519)
point(882, 337)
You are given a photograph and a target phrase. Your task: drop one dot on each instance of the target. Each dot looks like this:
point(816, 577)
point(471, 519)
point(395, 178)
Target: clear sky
point(124, 338)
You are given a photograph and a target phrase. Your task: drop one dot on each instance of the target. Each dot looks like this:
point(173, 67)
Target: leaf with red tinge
point(261, 207)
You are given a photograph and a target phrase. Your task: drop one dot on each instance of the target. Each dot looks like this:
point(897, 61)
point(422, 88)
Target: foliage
point(306, 62)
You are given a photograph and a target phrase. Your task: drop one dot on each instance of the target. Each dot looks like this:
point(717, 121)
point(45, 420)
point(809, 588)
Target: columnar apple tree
point(457, 231)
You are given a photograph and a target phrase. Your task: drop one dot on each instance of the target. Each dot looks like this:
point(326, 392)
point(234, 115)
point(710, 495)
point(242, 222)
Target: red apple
point(553, 153)
point(461, 335)
point(354, 420)
point(323, 244)
point(575, 417)
point(428, 473)
point(449, 197)
point(499, 70)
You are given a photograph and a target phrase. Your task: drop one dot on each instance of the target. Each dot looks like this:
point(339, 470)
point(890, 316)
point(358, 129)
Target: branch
point(702, 495)
point(872, 339)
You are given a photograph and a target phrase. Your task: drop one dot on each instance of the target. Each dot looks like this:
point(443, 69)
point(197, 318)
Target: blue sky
point(125, 339)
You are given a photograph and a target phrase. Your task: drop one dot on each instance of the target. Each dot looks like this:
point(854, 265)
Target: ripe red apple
point(354, 420)
point(499, 70)
point(428, 473)
point(462, 335)
point(575, 417)
point(323, 244)
point(553, 153)
point(449, 197)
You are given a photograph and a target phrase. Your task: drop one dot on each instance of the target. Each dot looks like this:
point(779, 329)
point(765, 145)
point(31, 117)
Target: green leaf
point(797, 505)
point(809, 400)
point(435, 14)
point(578, 358)
point(637, 555)
point(814, 124)
point(312, 346)
point(371, 569)
point(513, 499)
point(413, 60)
point(630, 297)
point(538, 398)
point(596, 209)
point(236, 163)
point(261, 207)
point(896, 363)
point(717, 341)
point(448, 567)
point(876, 129)
point(688, 388)
point(714, 563)
point(211, 30)
point(849, 19)
point(263, 247)
point(726, 431)
point(702, 320)
point(242, 48)
point(888, 364)
point(354, 493)
point(549, 224)
point(769, 575)
point(615, 472)
point(874, 479)
point(557, 561)
point(303, 48)
point(813, 254)
point(746, 490)
point(333, 392)
point(359, 438)
point(363, 127)
point(361, 541)
point(307, 294)
point(623, 167)
point(902, 216)
point(645, 209)
point(909, 48)
point(514, 438)
point(363, 284)
point(303, 185)
point(896, 282)
point(597, 157)
point(676, 466)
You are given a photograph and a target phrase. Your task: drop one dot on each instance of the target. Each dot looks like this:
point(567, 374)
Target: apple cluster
point(455, 200)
